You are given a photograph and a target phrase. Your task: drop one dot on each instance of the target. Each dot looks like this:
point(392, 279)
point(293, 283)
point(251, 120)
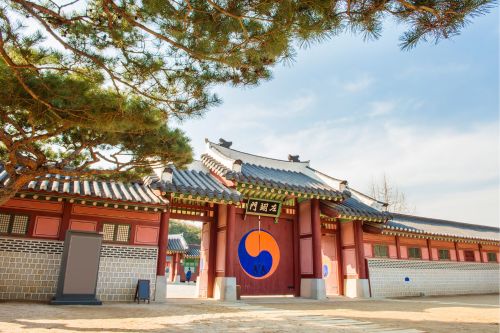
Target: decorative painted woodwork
point(47, 227)
point(305, 218)
point(393, 252)
point(82, 225)
point(306, 249)
point(146, 235)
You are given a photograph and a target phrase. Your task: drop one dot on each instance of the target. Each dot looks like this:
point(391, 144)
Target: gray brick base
point(396, 278)
point(29, 270)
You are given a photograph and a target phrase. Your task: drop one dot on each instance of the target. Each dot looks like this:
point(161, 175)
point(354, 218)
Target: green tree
point(84, 125)
point(191, 233)
point(89, 85)
point(171, 52)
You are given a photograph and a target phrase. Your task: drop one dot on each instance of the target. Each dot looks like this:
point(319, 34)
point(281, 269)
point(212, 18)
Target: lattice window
point(116, 232)
point(444, 254)
point(122, 233)
point(19, 225)
point(469, 256)
point(4, 223)
point(14, 224)
point(381, 251)
point(492, 257)
point(414, 253)
point(108, 231)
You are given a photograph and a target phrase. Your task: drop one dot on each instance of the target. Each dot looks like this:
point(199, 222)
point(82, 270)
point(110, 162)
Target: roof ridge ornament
point(224, 143)
point(168, 174)
point(293, 158)
point(237, 166)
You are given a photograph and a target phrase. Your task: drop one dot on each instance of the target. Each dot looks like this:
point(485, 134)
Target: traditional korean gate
point(265, 261)
point(330, 264)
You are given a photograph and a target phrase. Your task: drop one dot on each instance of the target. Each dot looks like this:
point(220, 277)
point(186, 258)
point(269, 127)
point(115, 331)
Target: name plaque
point(263, 207)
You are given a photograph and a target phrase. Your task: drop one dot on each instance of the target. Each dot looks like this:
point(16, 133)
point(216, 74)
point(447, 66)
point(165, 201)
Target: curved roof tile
point(99, 189)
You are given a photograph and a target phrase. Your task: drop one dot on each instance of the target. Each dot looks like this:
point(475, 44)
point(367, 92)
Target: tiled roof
point(429, 226)
point(351, 208)
point(100, 189)
point(279, 174)
point(177, 243)
point(193, 251)
point(197, 181)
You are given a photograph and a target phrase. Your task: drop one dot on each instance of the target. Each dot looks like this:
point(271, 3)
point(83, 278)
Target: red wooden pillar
point(212, 252)
point(398, 247)
point(179, 268)
point(316, 239)
point(360, 251)
point(480, 247)
point(340, 259)
point(162, 244)
point(171, 275)
point(456, 251)
point(230, 240)
point(296, 251)
point(429, 249)
point(67, 207)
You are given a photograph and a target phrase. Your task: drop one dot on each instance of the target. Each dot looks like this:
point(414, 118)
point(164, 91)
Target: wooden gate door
point(330, 264)
point(265, 257)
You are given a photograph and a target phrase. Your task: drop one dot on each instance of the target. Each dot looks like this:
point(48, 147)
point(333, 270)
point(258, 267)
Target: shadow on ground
point(462, 314)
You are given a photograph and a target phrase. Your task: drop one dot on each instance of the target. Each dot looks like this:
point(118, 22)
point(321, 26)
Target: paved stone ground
point(181, 290)
point(443, 314)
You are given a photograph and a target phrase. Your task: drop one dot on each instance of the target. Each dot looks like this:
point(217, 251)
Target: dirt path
point(444, 314)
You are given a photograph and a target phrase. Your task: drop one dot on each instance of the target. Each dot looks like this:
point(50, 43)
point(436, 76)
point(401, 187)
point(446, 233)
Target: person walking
point(188, 275)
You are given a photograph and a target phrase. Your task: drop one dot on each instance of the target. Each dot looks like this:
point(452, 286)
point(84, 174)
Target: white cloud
point(359, 85)
point(444, 168)
point(302, 103)
point(379, 108)
point(467, 205)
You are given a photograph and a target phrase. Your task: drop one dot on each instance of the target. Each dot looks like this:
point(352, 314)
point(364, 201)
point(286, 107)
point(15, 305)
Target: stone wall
point(397, 278)
point(29, 269)
point(120, 268)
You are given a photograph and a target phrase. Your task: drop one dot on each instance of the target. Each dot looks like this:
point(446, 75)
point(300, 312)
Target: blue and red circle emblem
point(259, 254)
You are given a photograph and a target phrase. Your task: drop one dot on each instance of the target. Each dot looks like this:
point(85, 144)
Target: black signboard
point(142, 291)
point(263, 207)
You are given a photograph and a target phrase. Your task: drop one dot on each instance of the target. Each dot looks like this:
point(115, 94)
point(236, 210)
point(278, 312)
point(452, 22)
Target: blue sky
point(427, 118)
